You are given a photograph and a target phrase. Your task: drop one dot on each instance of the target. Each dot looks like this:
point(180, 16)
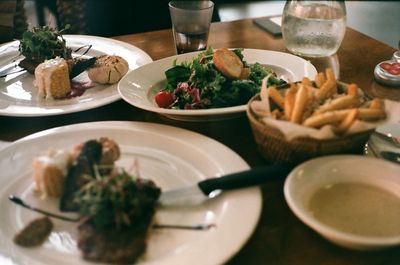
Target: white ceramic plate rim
point(10, 106)
point(323, 229)
point(237, 229)
point(297, 66)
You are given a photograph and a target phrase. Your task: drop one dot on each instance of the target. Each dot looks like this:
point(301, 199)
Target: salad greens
point(198, 84)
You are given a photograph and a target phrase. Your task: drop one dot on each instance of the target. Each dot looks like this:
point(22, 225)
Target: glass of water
point(190, 24)
point(313, 28)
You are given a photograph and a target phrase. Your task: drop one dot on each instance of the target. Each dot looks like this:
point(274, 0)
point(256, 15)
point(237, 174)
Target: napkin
point(291, 130)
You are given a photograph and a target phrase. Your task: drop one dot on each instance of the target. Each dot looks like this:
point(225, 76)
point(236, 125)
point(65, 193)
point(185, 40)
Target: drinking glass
point(313, 28)
point(191, 24)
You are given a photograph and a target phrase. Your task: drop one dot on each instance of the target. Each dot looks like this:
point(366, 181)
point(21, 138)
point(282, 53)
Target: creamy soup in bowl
point(353, 201)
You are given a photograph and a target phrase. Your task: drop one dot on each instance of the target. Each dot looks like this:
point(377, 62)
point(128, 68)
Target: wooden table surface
point(279, 238)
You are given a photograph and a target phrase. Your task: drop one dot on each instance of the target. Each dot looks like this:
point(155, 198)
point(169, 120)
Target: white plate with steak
point(169, 156)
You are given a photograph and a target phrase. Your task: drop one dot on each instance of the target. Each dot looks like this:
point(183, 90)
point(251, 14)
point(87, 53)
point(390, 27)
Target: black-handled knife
point(209, 188)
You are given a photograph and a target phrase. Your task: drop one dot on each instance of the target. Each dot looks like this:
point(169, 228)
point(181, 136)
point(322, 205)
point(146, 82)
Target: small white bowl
point(307, 178)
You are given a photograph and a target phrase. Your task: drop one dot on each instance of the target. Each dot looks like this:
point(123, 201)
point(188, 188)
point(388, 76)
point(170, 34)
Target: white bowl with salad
point(209, 85)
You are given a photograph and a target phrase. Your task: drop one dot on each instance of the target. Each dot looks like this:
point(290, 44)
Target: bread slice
point(228, 63)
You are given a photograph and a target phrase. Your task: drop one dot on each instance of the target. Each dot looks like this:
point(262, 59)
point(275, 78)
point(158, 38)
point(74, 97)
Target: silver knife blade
point(185, 196)
point(9, 70)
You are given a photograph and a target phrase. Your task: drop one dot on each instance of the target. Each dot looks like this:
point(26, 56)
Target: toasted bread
point(228, 63)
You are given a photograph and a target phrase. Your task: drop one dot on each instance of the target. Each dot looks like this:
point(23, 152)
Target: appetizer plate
point(140, 86)
point(172, 157)
point(18, 96)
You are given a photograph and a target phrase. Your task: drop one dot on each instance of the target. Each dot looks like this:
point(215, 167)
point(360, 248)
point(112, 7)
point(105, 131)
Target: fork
point(388, 137)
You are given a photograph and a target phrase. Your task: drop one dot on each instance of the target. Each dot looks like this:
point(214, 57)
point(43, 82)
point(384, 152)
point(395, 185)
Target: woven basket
point(275, 148)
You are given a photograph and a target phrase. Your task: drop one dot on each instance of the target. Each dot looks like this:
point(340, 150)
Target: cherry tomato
point(164, 99)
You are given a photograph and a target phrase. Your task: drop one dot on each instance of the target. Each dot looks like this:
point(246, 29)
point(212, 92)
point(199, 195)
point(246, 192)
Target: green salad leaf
point(199, 84)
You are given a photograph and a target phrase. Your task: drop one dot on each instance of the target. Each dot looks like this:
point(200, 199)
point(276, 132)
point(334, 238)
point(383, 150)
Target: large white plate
point(18, 96)
point(140, 86)
point(172, 157)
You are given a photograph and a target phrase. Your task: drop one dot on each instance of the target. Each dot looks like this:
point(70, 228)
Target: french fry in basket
point(299, 104)
point(322, 102)
point(276, 97)
point(346, 123)
point(320, 79)
point(290, 96)
point(376, 103)
point(343, 102)
point(327, 90)
point(352, 89)
point(329, 74)
point(371, 114)
point(306, 81)
point(322, 119)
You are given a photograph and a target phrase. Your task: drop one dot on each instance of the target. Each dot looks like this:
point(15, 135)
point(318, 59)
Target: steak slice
point(124, 244)
point(119, 246)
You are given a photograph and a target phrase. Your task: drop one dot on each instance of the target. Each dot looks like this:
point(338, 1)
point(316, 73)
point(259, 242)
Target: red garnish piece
point(391, 68)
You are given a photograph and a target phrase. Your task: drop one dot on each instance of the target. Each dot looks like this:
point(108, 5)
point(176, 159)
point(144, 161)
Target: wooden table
point(280, 238)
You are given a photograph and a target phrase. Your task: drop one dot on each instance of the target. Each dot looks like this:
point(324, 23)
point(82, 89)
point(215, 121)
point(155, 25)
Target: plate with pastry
point(104, 179)
point(214, 84)
point(70, 73)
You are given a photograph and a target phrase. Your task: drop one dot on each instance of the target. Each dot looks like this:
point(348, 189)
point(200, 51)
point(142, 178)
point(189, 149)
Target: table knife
point(9, 70)
point(211, 187)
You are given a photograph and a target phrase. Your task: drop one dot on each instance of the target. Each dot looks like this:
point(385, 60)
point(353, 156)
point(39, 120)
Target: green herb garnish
point(43, 43)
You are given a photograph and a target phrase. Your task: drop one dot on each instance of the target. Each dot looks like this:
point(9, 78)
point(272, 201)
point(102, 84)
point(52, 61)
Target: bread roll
point(108, 69)
point(228, 63)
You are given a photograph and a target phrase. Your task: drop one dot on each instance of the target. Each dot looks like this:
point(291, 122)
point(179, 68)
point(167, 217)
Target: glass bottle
point(313, 28)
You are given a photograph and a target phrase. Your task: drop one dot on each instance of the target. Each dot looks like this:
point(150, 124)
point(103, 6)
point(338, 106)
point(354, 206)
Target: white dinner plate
point(19, 97)
point(170, 156)
point(139, 87)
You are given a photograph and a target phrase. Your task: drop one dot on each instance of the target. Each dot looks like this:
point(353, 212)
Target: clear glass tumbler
point(191, 24)
point(313, 28)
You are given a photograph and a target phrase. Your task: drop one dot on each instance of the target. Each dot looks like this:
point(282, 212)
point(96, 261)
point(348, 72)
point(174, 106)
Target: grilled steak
point(125, 243)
